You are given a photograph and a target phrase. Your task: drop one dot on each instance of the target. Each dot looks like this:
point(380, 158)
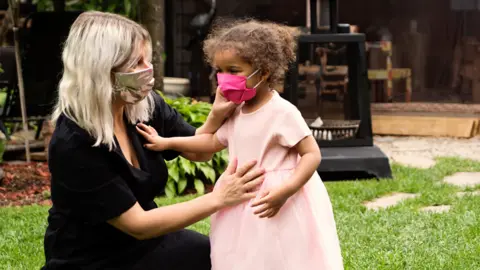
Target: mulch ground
point(25, 184)
point(29, 183)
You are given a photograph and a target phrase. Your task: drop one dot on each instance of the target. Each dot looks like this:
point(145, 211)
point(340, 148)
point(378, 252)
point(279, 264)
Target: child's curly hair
point(267, 46)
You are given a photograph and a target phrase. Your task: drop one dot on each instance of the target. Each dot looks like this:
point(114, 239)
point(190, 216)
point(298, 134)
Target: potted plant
point(176, 86)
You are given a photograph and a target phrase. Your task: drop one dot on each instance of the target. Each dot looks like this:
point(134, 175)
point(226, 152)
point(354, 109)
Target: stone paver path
point(388, 200)
point(464, 179)
point(436, 209)
point(468, 193)
point(414, 161)
point(429, 147)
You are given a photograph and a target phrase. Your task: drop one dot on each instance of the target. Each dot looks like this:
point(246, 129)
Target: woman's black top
point(91, 185)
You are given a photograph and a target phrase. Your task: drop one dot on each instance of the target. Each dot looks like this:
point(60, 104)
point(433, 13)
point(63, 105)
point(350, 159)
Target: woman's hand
point(222, 108)
point(156, 143)
point(235, 185)
point(270, 202)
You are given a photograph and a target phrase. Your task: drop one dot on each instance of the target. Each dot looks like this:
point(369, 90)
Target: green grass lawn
point(400, 237)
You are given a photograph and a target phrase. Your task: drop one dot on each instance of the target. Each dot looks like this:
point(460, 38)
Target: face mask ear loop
point(261, 81)
point(253, 74)
point(134, 72)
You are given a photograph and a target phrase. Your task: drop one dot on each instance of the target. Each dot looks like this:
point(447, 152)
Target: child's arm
point(202, 143)
point(310, 157)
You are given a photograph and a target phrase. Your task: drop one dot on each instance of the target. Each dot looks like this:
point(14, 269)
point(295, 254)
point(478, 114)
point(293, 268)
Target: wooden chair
point(390, 74)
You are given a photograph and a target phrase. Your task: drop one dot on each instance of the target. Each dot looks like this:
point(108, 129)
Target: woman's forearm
point(171, 218)
point(159, 221)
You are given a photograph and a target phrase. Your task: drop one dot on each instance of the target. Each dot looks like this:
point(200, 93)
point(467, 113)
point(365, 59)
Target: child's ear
point(265, 75)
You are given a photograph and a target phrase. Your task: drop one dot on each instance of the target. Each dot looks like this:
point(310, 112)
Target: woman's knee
point(196, 244)
point(190, 250)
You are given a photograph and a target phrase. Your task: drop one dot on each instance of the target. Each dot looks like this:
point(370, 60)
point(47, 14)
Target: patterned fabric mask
point(133, 87)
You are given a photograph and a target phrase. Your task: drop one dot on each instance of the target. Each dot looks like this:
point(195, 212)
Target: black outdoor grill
point(345, 136)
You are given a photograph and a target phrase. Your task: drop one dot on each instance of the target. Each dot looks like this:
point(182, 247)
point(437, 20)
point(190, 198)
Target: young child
point(290, 225)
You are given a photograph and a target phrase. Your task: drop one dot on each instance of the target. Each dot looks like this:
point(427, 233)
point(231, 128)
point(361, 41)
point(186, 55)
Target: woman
point(103, 180)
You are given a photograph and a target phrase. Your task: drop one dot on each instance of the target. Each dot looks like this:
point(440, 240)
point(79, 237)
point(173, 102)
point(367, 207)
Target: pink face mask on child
point(234, 87)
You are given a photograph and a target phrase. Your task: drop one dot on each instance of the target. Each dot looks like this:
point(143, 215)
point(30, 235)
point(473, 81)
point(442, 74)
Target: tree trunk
point(151, 15)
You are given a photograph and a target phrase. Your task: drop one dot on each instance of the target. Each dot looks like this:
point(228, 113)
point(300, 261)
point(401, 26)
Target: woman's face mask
point(234, 87)
point(135, 86)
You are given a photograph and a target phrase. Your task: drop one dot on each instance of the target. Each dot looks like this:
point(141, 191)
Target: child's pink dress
point(303, 235)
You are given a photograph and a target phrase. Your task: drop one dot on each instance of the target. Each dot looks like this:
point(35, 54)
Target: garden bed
point(24, 184)
point(29, 183)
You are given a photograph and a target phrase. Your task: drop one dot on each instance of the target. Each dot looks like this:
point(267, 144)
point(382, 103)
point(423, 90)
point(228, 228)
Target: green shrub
point(182, 172)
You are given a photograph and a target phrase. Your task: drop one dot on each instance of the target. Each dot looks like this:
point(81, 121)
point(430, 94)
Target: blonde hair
point(99, 43)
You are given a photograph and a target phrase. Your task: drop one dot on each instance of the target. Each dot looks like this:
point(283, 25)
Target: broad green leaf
point(188, 166)
point(170, 189)
point(182, 185)
point(199, 186)
point(201, 118)
point(173, 171)
point(193, 117)
point(209, 172)
point(195, 113)
point(185, 112)
point(171, 162)
point(224, 155)
point(181, 170)
point(216, 158)
point(169, 193)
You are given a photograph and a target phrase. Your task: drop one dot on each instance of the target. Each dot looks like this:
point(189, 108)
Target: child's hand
point(156, 142)
point(270, 202)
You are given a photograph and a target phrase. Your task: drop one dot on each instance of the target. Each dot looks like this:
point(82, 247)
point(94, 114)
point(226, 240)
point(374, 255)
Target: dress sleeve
point(87, 186)
point(169, 123)
point(292, 128)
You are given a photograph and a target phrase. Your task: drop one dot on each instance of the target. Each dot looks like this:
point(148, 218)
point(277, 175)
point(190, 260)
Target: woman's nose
point(146, 64)
point(143, 65)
